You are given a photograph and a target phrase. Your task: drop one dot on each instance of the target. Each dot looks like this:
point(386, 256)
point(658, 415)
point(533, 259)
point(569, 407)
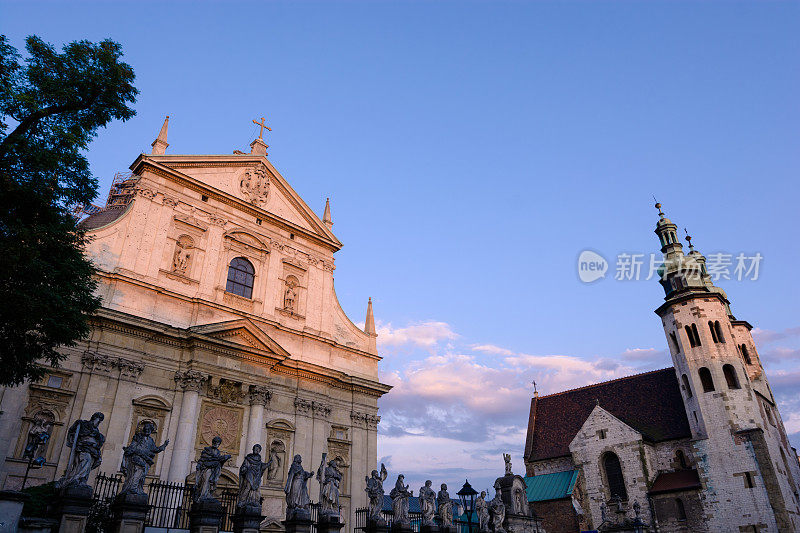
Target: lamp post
point(35, 440)
point(467, 496)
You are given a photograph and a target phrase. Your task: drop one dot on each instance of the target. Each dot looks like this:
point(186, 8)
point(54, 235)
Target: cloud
point(766, 336)
point(491, 349)
point(423, 334)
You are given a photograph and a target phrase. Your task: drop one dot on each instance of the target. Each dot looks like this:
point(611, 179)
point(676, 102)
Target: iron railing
point(462, 526)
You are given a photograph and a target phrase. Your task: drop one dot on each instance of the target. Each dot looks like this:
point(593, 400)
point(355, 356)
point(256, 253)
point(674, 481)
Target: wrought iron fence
point(462, 526)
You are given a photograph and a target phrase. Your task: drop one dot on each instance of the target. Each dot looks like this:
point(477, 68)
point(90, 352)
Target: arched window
point(680, 458)
point(745, 354)
point(680, 509)
point(240, 277)
point(675, 341)
point(713, 332)
point(614, 477)
point(706, 380)
point(730, 377)
point(687, 386)
point(696, 335)
point(718, 329)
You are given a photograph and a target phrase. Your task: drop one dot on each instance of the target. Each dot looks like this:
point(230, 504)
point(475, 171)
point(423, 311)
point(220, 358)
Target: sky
point(472, 151)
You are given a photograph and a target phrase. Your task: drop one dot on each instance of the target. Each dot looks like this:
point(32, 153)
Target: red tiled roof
point(650, 403)
point(675, 481)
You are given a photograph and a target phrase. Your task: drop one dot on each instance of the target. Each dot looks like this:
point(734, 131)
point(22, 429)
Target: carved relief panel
point(220, 420)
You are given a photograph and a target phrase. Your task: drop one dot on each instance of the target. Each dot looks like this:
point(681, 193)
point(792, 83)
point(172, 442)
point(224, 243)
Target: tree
point(51, 106)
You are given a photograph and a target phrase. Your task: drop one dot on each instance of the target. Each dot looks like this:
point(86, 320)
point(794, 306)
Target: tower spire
point(160, 144)
point(689, 240)
point(326, 217)
point(369, 329)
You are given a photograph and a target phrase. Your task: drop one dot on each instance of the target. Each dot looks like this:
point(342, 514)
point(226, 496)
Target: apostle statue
point(427, 503)
point(329, 478)
point(399, 495)
point(138, 457)
point(445, 507)
point(482, 510)
point(498, 510)
point(250, 474)
point(298, 504)
point(507, 459)
point(85, 440)
point(375, 493)
point(209, 467)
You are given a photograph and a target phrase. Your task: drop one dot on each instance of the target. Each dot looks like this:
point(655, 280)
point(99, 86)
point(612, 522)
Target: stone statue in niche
point(85, 440)
point(329, 478)
point(298, 504)
point(38, 434)
point(375, 493)
point(427, 503)
point(482, 511)
point(209, 467)
point(250, 474)
point(400, 495)
point(497, 509)
point(507, 459)
point(275, 460)
point(445, 507)
point(290, 296)
point(138, 457)
point(183, 254)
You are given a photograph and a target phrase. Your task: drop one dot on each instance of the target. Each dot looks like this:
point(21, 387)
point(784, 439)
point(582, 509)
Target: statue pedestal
point(430, 528)
point(376, 526)
point(401, 528)
point(130, 511)
point(329, 524)
point(247, 519)
point(72, 508)
point(297, 525)
point(205, 516)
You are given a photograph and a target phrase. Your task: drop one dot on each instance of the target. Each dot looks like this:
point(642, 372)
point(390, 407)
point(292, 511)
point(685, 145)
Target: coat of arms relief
point(255, 186)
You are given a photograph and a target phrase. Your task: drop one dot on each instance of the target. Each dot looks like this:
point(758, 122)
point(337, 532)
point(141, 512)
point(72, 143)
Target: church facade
point(219, 318)
point(700, 446)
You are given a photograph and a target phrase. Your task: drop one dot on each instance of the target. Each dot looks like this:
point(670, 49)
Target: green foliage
point(40, 497)
point(55, 102)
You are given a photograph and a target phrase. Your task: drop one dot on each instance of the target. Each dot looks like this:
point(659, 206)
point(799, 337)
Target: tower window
point(748, 480)
point(675, 341)
point(686, 385)
point(614, 477)
point(730, 377)
point(694, 337)
point(745, 354)
point(718, 329)
point(680, 509)
point(240, 277)
point(706, 380)
point(680, 458)
point(713, 332)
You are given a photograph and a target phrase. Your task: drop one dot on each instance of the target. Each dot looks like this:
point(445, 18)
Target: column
point(191, 382)
point(259, 399)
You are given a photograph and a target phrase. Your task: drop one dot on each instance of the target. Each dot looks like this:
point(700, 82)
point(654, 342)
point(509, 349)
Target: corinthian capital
point(260, 395)
point(190, 380)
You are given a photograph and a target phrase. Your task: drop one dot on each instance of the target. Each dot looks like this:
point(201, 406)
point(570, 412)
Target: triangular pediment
point(243, 332)
point(246, 182)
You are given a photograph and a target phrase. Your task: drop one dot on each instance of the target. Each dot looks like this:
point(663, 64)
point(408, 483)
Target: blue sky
point(471, 151)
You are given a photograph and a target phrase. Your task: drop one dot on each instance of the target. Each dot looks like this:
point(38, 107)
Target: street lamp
point(467, 497)
point(35, 441)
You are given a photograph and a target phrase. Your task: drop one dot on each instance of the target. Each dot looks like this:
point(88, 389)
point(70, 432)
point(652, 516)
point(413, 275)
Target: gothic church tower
point(749, 472)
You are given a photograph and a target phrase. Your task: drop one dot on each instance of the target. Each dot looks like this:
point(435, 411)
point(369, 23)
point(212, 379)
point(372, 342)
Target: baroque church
point(699, 446)
point(219, 318)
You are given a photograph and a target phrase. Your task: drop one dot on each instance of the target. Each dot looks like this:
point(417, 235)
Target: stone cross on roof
point(261, 124)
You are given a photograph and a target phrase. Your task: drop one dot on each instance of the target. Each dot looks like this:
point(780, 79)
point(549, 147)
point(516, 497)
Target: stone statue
point(298, 504)
point(329, 478)
point(209, 467)
point(375, 493)
point(180, 260)
point(482, 511)
point(427, 503)
point(445, 507)
point(289, 298)
point(250, 474)
point(138, 457)
point(38, 435)
point(507, 459)
point(85, 440)
point(274, 464)
point(399, 496)
point(497, 509)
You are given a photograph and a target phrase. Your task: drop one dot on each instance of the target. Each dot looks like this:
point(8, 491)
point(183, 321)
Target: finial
point(369, 324)
point(658, 206)
point(689, 240)
point(258, 146)
point(261, 131)
point(535, 392)
point(160, 144)
point(326, 217)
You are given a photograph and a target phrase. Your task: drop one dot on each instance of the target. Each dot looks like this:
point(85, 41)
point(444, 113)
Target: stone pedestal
point(205, 516)
point(401, 527)
point(247, 519)
point(330, 524)
point(376, 526)
point(11, 503)
point(130, 511)
point(72, 508)
point(430, 528)
point(297, 525)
